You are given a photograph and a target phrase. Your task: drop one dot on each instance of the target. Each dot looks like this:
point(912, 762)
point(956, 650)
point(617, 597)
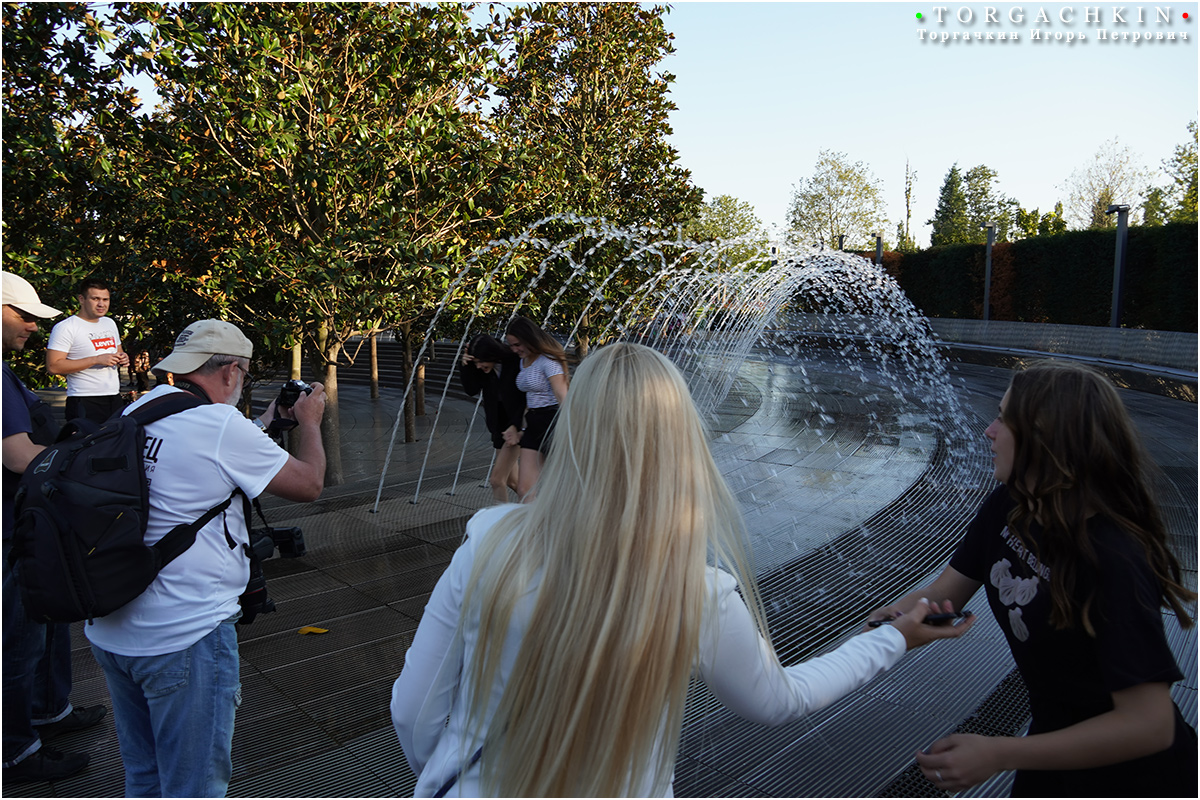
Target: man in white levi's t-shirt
point(170, 656)
point(86, 348)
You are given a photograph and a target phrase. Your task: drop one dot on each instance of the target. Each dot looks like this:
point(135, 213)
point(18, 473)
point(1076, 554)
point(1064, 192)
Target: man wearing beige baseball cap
point(37, 657)
point(183, 624)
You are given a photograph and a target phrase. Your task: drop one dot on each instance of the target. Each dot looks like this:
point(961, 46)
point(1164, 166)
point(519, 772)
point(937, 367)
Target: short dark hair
point(92, 283)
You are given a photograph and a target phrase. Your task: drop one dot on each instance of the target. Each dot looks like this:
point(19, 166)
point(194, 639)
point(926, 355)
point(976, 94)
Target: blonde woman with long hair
point(554, 655)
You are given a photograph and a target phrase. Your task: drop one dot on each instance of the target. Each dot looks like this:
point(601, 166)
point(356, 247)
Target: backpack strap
point(165, 406)
point(182, 536)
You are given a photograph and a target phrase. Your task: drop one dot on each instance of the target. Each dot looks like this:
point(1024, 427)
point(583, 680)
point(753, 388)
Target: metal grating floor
point(314, 719)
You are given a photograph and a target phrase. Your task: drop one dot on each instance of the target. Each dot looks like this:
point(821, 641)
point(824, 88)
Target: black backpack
point(78, 545)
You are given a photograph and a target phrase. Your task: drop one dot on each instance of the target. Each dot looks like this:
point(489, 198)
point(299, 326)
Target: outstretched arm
point(742, 670)
point(951, 586)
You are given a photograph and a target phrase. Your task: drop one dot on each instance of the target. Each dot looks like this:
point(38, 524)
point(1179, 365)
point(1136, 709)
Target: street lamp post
point(1118, 292)
point(990, 227)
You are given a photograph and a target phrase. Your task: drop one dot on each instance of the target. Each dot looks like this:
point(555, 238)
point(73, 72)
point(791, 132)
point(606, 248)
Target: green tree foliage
point(584, 98)
point(1027, 224)
point(1154, 208)
point(969, 200)
point(333, 159)
point(1052, 224)
point(840, 198)
point(1181, 168)
point(986, 204)
point(585, 101)
point(951, 224)
point(1112, 176)
point(72, 205)
point(59, 107)
point(724, 218)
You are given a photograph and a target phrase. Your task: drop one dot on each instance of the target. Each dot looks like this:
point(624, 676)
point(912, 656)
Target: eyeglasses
point(249, 376)
point(26, 317)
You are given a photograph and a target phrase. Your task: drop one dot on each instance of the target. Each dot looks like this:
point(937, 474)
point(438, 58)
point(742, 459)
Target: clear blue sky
point(762, 88)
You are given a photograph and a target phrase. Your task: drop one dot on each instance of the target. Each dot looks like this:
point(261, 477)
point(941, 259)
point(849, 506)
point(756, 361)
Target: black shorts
point(539, 427)
point(97, 408)
point(497, 439)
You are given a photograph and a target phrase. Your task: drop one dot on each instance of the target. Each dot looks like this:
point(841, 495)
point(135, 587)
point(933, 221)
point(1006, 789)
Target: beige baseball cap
point(21, 296)
point(202, 340)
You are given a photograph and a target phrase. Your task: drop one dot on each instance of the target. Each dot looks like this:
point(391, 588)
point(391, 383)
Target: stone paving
point(314, 718)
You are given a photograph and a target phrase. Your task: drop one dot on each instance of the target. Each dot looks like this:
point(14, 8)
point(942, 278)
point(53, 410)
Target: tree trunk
point(410, 417)
point(374, 366)
point(420, 386)
point(297, 360)
point(582, 337)
point(331, 435)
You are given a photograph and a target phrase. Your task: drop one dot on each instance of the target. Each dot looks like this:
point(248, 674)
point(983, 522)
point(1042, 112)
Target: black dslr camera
point(263, 543)
point(290, 392)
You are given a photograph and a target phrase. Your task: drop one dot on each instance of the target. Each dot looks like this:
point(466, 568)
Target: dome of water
point(833, 416)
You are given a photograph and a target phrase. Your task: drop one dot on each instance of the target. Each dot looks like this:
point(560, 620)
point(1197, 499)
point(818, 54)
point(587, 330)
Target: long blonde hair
point(630, 506)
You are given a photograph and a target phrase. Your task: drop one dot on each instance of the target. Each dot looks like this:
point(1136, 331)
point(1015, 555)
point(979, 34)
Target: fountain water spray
point(707, 306)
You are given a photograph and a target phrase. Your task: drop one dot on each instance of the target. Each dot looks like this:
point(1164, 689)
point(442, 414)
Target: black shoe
point(47, 764)
point(77, 720)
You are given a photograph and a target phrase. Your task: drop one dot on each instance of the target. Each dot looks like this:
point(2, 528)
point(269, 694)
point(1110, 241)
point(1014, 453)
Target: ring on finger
point(938, 773)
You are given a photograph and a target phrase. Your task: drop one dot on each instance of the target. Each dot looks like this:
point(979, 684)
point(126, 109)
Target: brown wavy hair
point(537, 341)
point(1077, 454)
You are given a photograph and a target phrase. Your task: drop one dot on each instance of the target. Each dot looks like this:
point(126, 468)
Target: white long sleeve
point(734, 661)
point(736, 664)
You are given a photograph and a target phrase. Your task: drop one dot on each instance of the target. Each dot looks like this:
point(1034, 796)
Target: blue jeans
point(174, 716)
point(37, 672)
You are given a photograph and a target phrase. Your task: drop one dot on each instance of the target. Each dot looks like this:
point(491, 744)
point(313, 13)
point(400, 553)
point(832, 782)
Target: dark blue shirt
point(17, 402)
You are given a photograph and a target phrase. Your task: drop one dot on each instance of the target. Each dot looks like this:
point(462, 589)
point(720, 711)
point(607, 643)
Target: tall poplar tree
point(951, 224)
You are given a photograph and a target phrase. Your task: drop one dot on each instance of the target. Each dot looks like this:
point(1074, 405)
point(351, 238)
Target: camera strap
point(258, 509)
point(192, 388)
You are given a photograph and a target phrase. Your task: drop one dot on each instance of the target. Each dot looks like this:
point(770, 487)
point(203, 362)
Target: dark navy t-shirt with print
point(1070, 675)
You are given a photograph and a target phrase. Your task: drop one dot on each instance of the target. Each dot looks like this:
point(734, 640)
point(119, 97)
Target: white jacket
point(430, 714)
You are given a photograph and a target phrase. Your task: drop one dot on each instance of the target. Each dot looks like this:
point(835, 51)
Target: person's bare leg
point(514, 479)
point(503, 472)
point(531, 470)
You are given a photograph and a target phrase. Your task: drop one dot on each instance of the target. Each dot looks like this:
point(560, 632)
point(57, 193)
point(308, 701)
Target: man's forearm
point(62, 365)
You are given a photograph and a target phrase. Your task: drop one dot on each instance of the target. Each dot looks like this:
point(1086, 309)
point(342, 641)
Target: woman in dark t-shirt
point(1072, 552)
point(490, 367)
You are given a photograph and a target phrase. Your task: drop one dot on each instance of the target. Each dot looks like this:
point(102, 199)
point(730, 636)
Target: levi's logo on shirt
point(106, 343)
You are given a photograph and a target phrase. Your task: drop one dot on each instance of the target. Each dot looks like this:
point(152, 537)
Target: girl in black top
point(1073, 555)
point(491, 367)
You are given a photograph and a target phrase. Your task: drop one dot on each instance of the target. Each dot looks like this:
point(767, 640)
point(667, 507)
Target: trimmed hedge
point(1065, 279)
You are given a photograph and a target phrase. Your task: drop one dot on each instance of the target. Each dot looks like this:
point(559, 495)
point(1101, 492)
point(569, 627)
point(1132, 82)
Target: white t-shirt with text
point(194, 460)
point(80, 339)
